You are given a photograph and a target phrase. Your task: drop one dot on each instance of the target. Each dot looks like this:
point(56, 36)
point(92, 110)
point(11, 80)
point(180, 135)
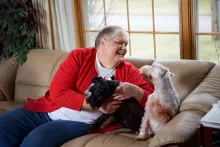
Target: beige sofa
point(197, 83)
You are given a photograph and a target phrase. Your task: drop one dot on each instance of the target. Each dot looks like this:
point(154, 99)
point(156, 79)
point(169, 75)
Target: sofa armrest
point(179, 130)
point(205, 94)
point(8, 70)
point(202, 102)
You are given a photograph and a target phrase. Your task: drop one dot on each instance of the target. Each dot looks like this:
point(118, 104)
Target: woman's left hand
point(125, 91)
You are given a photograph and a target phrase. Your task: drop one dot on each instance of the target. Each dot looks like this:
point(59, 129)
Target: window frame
point(188, 32)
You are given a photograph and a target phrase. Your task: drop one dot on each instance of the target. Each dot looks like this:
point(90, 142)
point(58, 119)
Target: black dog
point(129, 115)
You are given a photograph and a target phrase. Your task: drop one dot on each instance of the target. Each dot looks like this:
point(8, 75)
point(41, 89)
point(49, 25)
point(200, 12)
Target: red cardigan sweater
point(74, 76)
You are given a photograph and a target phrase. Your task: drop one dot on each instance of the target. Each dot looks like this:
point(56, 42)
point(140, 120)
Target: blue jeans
point(24, 128)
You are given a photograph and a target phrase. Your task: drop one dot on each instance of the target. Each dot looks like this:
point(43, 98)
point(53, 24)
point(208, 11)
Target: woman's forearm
point(138, 94)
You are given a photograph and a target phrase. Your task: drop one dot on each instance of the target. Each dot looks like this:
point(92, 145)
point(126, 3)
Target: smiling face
point(113, 50)
point(117, 47)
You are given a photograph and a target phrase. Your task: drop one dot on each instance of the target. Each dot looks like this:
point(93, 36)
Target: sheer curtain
point(55, 24)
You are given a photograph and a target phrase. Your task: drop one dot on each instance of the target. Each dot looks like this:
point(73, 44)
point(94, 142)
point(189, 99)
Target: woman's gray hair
point(109, 33)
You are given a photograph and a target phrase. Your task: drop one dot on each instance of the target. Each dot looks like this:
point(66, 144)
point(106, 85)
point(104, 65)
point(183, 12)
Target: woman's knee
point(10, 134)
point(32, 140)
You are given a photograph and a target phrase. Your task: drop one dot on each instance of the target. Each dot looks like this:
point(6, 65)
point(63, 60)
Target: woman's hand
point(127, 90)
point(110, 106)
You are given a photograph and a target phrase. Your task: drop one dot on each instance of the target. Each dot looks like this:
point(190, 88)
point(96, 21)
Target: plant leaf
point(4, 25)
point(17, 28)
point(26, 41)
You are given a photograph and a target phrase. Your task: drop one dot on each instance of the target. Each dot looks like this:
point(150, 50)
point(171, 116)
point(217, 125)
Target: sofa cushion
point(205, 94)
point(24, 91)
point(188, 74)
point(105, 140)
point(8, 71)
point(37, 72)
point(179, 129)
point(2, 96)
point(81, 141)
point(139, 61)
point(202, 102)
point(10, 105)
point(210, 84)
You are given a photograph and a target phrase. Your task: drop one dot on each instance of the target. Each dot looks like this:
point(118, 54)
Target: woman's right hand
point(110, 106)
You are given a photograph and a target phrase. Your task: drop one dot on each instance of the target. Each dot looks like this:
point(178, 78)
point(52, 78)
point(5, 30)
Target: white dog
point(162, 105)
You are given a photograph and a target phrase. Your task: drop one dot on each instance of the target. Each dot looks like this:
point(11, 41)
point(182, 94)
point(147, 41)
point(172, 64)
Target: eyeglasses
point(121, 43)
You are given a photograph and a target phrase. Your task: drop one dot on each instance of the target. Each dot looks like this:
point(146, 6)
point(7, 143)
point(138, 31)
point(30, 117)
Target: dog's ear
point(149, 77)
point(171, 74)
point(113, 84)
point(145, 69)
point(96, 79)
point(163, 71)
point(90, 101)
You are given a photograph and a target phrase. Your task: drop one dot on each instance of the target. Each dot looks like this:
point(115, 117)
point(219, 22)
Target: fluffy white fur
point(162, 105)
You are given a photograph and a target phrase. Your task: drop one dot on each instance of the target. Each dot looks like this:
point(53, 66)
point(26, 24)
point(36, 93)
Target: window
point(207, 14)
point(153, 25)
point(171, 29)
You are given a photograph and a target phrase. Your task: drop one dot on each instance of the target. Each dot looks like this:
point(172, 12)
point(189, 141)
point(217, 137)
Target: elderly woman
point(62, 113)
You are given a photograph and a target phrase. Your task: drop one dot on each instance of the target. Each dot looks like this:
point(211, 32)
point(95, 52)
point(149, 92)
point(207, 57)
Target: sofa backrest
point(8, 71)
point(33, 78)
point(188, 73)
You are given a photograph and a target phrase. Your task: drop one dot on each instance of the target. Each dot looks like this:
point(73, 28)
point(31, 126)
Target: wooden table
point(207, 136)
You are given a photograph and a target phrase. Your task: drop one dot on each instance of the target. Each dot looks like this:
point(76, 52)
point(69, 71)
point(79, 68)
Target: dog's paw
point(142, 137)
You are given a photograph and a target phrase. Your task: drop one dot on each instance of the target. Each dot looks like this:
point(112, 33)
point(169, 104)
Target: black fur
point(101, 90)
point(129, 115)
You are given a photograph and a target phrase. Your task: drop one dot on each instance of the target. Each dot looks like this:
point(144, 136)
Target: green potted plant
point(17, 29)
